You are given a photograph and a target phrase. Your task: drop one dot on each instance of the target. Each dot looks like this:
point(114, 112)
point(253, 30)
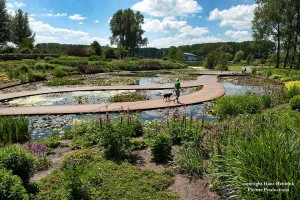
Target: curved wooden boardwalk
point(211, 89)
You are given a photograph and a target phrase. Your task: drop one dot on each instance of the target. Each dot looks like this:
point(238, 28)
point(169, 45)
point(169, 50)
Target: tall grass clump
point(14, 129)
point(259, 149)
point(292, 91)
point(189, 159)
point(295, 102)
point(238, 104)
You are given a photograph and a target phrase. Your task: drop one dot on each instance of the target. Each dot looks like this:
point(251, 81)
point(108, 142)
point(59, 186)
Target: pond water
point(42, 126)
point(86, 97)
point(232, 87)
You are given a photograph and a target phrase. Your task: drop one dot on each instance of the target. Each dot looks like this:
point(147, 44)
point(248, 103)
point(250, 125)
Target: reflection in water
point(233, 88)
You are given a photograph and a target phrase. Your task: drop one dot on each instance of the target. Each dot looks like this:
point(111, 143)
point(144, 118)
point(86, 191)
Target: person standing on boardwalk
point(177, 90)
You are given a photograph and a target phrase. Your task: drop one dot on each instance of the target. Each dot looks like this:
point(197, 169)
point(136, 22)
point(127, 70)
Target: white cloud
point(45, 39)
point(189, 31)
point(55, 15)
point(89, 40)
point(77, 17)
point(41, 27)
point(96, 21)
point(164, 8)
point(166, 25)
point(181, 31)
point(80, 23)
point(47, 33)
point(169, 24)
point(177, 41)
point(239, 35)
point(15, 5)
point(238, 17)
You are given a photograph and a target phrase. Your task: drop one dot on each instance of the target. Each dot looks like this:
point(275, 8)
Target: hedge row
point(6, 57)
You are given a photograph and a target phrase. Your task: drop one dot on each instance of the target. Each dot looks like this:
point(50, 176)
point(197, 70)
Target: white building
point(190, 57)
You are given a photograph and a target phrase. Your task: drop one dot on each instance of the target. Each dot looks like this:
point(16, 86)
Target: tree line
point(15, 28)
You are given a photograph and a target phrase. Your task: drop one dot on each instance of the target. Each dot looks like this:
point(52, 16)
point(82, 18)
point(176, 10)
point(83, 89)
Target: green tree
point(20, 29)
point(109, 52)
point(267, 22)
point(250, 58)
point(126, 28)
point(97, 47)
point(216, 60)
point(121, 51)
point(172, 51)
point(4, 24)
point(238, 56)
point(179, 55)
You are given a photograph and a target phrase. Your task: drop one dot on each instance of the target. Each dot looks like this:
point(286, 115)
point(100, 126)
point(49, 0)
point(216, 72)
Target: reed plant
point(238, 104)
point(14, 129)
point(257, 156)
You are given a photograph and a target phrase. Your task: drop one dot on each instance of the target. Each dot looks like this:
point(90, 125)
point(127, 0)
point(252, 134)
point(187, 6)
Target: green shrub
point(189, 159)
point(266, 101)
point(161, 147)
point(11, 186)
point(36, 76)
point(14, 129)
point(74, 183)
point(295, 102)
point(18, 160)
point(53, 141)
point(40, 67)
point(48, 58)
point(43, 66)
point(269, 73)
point(238, 104)
point(292, 91)
point(115, 139)
point(95, 58)
point(254, 71)
point(58, 72)
point(42, 163)
point(70, 63)
point(138, 144)
point(25, 51)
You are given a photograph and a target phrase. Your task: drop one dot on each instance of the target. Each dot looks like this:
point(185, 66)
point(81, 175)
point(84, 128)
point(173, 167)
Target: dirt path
point(188, 189)
point(56, 160)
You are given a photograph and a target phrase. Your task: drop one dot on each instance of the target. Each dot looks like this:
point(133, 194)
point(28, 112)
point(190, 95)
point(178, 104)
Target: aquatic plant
point(14, 129)
point(131, 97)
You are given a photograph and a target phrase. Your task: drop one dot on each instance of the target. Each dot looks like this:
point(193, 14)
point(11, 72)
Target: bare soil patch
point(56, 159)
point(187, 188)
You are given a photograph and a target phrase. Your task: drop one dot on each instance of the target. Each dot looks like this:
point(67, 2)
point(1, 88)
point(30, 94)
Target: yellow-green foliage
point(290, 84)
point(4, 78)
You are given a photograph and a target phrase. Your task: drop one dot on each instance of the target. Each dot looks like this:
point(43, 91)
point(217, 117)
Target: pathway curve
point(211, 89)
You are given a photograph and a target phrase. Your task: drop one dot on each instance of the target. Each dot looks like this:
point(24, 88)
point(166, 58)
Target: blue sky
point(167, 22)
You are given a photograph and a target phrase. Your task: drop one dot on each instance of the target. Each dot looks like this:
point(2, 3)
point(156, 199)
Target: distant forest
point(258, 49)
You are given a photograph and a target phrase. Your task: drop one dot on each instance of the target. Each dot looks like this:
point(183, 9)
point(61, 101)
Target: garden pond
point(42, 126)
